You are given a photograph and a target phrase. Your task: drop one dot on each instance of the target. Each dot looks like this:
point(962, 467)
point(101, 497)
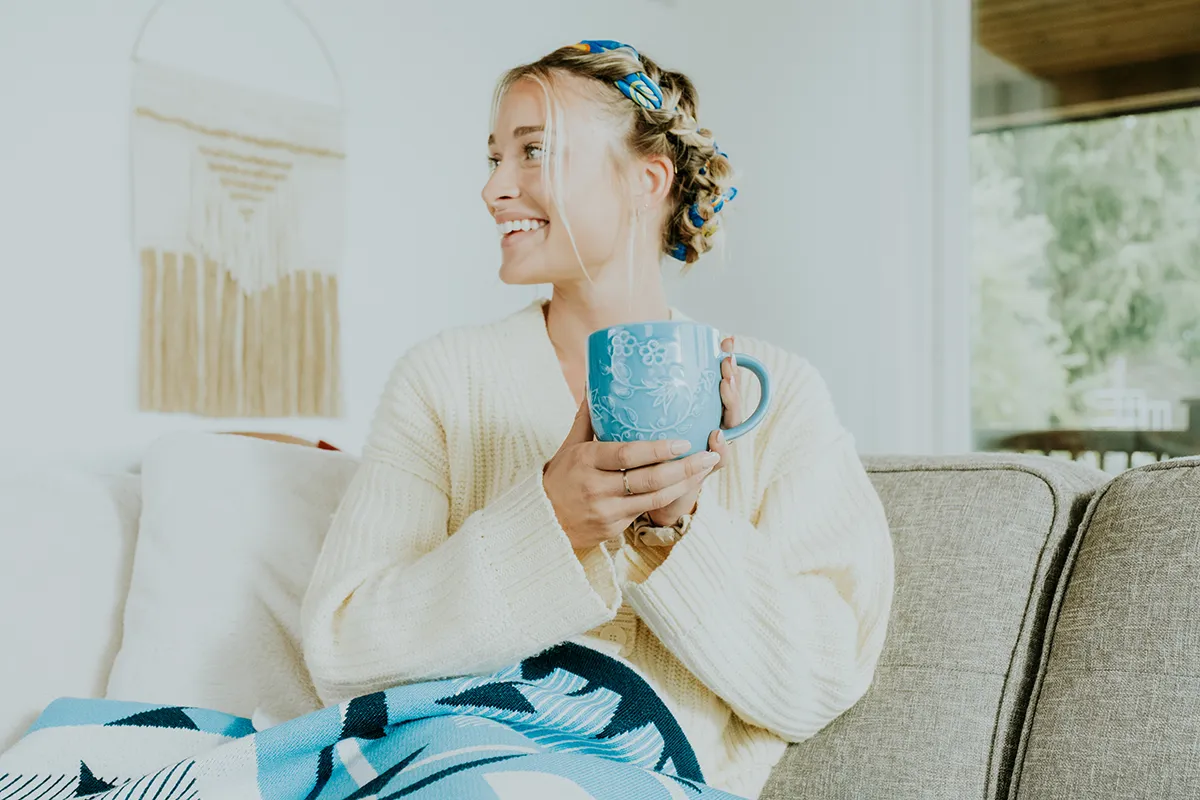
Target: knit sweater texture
point(761, 625)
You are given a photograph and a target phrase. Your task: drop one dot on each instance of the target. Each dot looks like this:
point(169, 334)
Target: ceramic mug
point(662, 380)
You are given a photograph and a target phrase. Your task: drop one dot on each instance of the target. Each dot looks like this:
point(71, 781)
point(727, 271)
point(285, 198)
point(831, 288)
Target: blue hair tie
point(679, 251)
point(716, 147)
point(717, 204)
point(637, 86)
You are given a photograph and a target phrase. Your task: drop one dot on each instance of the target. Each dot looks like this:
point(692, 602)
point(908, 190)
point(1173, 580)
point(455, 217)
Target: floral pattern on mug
point(622, 343)
point(654, 353)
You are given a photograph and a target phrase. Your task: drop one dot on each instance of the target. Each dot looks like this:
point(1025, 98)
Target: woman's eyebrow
point(519, 131)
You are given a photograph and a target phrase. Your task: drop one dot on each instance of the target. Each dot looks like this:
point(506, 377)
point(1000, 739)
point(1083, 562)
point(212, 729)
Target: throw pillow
point(231, 528)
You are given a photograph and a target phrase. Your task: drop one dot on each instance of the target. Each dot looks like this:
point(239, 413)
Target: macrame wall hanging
point(238, 213)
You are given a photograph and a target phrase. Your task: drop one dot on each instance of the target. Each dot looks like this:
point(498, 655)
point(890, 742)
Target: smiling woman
point(486, 524)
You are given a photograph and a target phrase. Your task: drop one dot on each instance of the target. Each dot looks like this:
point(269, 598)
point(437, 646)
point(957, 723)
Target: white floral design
point(654, 353)
point(622, 344)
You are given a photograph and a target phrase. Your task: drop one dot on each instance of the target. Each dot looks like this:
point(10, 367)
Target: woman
point(486, 525)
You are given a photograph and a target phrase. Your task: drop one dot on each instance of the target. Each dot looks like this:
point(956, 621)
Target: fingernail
point(680, 447)
point(710, 459)
point(720, 437)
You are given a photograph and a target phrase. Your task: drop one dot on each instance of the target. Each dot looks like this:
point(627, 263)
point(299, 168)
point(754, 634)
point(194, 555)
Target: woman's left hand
point(731, 400)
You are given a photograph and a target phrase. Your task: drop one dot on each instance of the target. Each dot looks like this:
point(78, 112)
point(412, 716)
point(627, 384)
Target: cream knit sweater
point(759, 627)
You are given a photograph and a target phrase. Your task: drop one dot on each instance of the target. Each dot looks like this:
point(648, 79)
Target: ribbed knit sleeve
point(395, 599)
point(783, 619)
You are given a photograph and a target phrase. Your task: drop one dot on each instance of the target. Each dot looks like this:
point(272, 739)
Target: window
point(1086, 226)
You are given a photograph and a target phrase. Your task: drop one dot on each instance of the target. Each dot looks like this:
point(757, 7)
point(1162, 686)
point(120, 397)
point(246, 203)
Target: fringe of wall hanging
point(209, 348)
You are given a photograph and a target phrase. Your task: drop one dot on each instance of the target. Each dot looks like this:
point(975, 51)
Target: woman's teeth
point(519, 225)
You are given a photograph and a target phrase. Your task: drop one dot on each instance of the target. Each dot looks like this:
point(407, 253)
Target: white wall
point(849, 241)
point(836, 239)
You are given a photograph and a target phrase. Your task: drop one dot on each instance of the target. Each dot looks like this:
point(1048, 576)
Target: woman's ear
point(656, 178)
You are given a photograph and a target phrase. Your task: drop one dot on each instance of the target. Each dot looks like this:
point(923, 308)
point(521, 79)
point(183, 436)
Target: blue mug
point(661, 380)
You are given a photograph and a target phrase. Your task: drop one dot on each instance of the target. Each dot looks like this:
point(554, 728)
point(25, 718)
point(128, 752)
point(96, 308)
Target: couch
point(1044, 642)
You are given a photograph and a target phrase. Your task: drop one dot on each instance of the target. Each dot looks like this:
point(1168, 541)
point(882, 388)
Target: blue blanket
point(569, 724)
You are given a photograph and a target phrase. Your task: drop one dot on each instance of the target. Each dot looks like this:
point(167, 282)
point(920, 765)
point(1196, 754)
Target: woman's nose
point(502, 185)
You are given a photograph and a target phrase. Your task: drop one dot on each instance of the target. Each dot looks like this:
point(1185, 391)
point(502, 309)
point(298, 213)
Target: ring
point(625, 477)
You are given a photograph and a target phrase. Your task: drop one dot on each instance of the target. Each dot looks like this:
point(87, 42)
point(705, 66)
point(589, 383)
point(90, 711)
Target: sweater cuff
point(551, 592)
point(693, 585)
point(601, 574)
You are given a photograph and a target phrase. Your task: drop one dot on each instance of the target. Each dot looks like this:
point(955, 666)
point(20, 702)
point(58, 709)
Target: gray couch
point(1044, 640)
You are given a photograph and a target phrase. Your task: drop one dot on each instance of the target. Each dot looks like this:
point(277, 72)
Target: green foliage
point(1016, 341)
point(1086, 247)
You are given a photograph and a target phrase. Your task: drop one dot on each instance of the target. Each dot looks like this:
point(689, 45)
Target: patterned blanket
point(569, 724)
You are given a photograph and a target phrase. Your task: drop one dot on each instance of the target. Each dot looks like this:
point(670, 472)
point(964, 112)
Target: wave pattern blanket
point(569, 724)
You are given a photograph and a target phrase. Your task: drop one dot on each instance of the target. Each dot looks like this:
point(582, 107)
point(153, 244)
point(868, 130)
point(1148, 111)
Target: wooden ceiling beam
point(1122, 25)
point(1075, 35)
point(1020, 11)
point(1131, 88)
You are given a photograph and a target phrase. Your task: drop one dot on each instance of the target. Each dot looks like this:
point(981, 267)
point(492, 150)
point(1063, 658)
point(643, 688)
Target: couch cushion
point(230, 531)
point(66, 544)
point(978, 541)
point(1118, 710)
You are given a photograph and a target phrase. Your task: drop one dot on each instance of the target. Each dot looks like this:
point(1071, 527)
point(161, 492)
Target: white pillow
point(230, 531)
point(66, 544)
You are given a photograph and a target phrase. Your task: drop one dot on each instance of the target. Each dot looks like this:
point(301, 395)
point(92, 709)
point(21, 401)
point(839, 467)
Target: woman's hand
point(599, 488)
point(670, 514)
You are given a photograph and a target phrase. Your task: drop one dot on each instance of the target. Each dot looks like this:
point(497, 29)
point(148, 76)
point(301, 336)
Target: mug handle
point(764, 403)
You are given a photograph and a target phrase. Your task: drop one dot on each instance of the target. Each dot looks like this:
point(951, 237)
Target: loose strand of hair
point(554, 167)
point(634, 220)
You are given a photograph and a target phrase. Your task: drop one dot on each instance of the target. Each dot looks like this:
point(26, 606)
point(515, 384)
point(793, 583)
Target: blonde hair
point(702, 173)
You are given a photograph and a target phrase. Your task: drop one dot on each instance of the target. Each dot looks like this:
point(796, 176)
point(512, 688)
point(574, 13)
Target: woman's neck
point(577, 309)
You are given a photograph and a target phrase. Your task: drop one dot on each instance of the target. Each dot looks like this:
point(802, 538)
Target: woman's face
point(535, 244)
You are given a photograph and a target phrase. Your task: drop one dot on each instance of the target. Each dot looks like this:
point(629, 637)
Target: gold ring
point(625, 477)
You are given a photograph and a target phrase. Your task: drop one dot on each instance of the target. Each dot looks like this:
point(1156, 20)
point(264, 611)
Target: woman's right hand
point(585, 484)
